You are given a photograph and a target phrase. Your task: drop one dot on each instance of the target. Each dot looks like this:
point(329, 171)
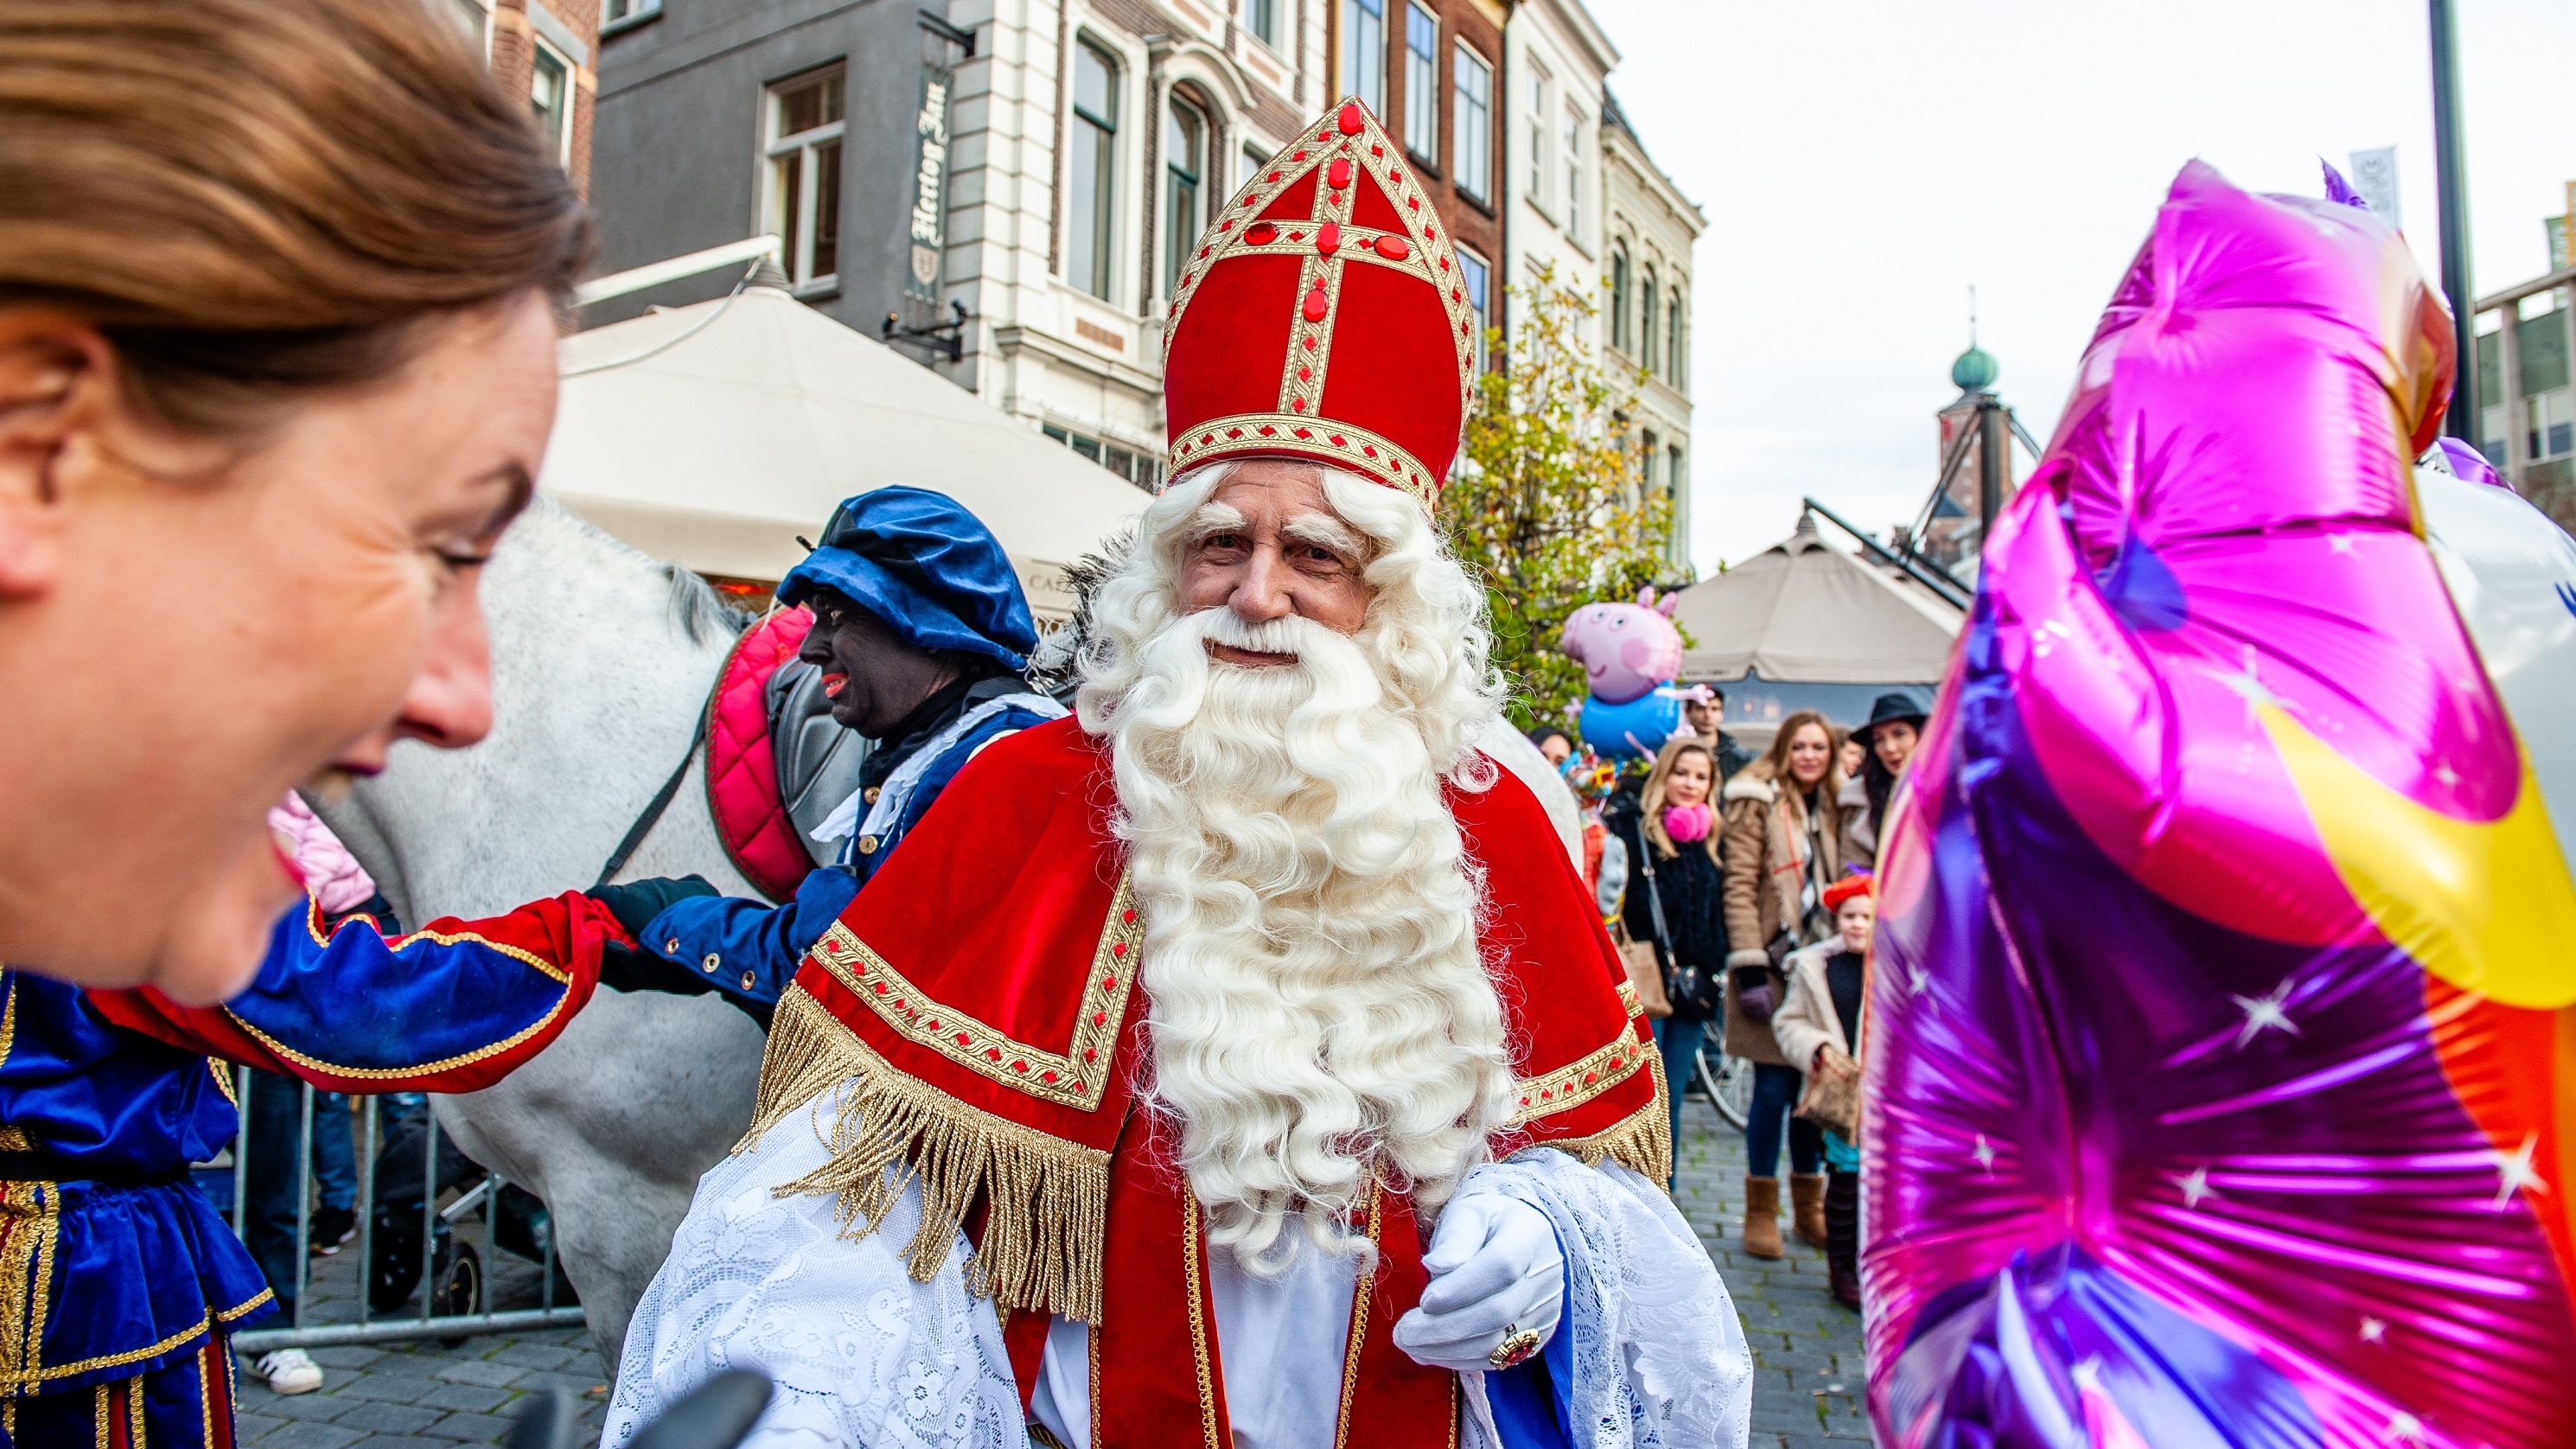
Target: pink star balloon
point(2221, 1059)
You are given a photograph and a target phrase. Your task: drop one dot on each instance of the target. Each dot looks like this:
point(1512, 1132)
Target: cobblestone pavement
point(1807, 1351)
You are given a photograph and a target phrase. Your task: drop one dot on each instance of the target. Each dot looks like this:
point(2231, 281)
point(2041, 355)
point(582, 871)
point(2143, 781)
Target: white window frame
point(545, 51)
point(1107, 224)
point(1538, 123)
point(1484, 317)
point(1177, 243)
point(1261, 21)
point(1646, 321)
point(1368, 82)
point(1251, 158)
point(1422, 86)
point(1472, 170)
point(455, 11)
point(636, 10)
point(798, 261)
point(1577, 127)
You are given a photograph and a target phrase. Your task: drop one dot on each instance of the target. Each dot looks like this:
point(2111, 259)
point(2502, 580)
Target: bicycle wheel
point(1726, 1081)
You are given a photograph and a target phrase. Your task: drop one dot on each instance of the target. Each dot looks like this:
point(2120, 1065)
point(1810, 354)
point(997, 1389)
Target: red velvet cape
point(978, 998)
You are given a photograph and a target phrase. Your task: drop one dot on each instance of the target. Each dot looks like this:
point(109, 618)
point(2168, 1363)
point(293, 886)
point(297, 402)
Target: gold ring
point(1517, 1345)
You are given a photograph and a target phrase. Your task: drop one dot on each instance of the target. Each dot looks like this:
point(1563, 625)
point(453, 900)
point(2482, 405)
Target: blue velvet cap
point(927, 567)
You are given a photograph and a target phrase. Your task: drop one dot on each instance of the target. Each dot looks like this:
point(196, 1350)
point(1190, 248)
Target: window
point(1472, 272)
point(1675, 359)
point(617, 11)
point(1650, 451)
point(1421, 83)
point(550, 99)
point(805, 178)
point(1574, 173)
point(1620, 337)
point(1646, 324)
point(1537, 134)
point(1471, 126)
point(1091, 217)
point(1144, 469)
point(1254, 158)
point(1674, 477)
point(1261, 17)
point(1184, 158)
point(474, 17)
point(1364, 52)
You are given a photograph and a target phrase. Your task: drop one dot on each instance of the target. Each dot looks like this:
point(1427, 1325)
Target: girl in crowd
point(1781, 851)
point(1887, 741)
point(1819, 1028)
point(1673, 837)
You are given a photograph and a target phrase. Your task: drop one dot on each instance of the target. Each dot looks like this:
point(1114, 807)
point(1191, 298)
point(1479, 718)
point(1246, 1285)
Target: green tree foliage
point(1547, 506)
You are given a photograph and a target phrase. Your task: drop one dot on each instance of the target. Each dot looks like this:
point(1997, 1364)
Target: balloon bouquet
point(1630, 654)
point(2222, 1041)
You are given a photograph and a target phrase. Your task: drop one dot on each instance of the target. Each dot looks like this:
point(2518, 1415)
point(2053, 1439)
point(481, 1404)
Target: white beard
point(1321, 1012)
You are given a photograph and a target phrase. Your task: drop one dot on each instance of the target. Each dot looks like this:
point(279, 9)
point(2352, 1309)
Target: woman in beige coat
point(1781, 852)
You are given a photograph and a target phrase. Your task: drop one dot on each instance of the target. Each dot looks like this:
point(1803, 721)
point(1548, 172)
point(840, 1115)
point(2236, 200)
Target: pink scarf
point(1689, 824)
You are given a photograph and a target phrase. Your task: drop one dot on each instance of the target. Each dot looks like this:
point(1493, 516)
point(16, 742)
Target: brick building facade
point(547, 51)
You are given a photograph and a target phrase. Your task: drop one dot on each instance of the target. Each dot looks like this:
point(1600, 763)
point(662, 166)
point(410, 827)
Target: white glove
point(1496, 1271)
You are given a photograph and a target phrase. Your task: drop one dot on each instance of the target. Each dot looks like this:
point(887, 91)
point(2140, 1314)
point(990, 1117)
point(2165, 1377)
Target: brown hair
point(1774, 764)
point(1650, 796)
point(255, 199)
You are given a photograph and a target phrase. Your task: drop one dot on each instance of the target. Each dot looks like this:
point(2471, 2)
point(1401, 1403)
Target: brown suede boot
point(1807, 1206)
point(1762, 1217)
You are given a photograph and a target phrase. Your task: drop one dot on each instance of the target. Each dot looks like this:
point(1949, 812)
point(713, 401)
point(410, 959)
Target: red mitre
point(1323, 317)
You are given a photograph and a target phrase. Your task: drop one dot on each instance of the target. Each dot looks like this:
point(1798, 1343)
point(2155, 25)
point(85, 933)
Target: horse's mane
point(698, 610)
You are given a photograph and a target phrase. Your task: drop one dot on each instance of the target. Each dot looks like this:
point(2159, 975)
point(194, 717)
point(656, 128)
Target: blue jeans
point(271, 1120)
point(1775, 1095)
point(1678, 1041)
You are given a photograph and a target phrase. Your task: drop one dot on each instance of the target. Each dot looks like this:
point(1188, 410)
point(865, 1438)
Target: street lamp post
point(2451, 182)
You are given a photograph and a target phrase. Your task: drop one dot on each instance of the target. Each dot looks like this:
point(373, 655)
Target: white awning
point(1803, 611)
point(713, 435)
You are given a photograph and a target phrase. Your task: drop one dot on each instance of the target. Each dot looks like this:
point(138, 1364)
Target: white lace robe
point(865, 1357)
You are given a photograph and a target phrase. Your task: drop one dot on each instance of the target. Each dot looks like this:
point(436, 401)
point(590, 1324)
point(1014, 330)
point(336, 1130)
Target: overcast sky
point(1862, 162)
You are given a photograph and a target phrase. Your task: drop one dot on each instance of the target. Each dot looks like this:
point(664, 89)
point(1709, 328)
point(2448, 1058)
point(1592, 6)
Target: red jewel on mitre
point(1323, 316)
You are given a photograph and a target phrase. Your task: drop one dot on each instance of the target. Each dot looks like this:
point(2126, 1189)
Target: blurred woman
point(1887, 743)
point(1781, 851)
point(279, 285)
point(1673, 836)
point(279, 289)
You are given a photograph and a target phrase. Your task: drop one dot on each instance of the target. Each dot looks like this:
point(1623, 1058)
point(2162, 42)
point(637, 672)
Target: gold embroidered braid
point(1642, 1141)
point(1046, 1200)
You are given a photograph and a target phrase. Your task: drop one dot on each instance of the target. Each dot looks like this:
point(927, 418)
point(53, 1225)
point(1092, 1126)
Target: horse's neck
point(597, 682)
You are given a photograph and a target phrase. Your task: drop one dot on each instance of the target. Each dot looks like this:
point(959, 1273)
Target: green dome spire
point(1975, 371)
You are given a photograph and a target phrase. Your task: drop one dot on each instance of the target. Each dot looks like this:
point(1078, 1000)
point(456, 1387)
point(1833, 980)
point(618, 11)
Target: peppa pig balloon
point(2221, 1049)
point(1629, 654)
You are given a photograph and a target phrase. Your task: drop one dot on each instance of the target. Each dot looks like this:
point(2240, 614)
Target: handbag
point(1645, 976)
point(1693, 993)
point(1831, 1099)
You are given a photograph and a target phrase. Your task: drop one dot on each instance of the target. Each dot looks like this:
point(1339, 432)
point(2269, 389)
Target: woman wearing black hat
point(1895, 721)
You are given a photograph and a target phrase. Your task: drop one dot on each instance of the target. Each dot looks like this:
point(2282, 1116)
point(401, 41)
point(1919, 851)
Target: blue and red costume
point(119, 1282)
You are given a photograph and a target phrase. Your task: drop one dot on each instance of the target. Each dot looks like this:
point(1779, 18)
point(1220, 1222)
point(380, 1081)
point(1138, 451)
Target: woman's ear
point(58, 395)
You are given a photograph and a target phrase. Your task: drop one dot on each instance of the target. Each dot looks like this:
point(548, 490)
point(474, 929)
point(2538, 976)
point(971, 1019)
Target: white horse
point(602, 659)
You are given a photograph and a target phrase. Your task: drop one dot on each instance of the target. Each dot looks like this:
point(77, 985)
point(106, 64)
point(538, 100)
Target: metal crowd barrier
point(367, 1149)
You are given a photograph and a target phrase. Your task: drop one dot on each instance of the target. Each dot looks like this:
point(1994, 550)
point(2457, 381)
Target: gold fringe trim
point(1045, 1200)
point(1642, 1141)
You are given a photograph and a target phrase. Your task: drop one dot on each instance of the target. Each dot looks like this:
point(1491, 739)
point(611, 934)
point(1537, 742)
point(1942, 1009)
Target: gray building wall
point(677, 158)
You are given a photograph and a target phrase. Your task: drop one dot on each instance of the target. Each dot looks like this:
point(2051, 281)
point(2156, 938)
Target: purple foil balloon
point(2220, 1053)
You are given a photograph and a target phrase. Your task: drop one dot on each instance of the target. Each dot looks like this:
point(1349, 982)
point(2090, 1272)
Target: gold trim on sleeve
point(1588, 1077)
point(1074, 1079)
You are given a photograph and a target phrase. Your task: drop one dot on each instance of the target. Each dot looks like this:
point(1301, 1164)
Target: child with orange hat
point(1818, 1026)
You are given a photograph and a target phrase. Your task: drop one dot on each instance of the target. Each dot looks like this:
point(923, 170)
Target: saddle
point(777, 763)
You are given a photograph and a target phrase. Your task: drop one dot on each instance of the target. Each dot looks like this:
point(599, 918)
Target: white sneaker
point(288, 1371)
